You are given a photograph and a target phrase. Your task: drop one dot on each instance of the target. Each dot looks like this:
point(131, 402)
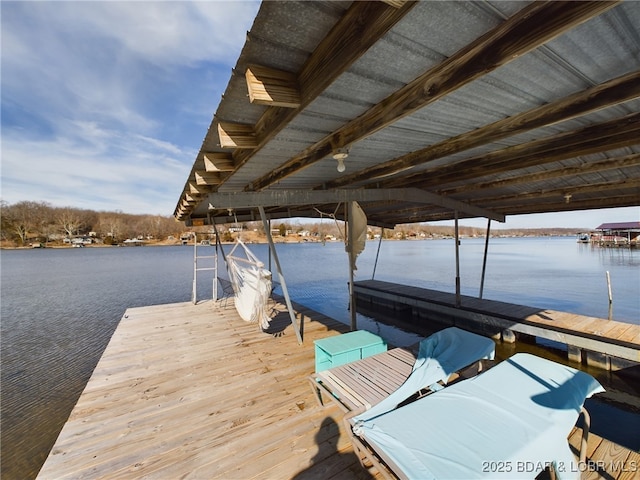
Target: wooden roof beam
point(560, 205)
point(612, 92)
point(236, 135)
point(395, 3)
point(218, 162)
point(282, 198)
point(363, 24)
point(531, 27)
point(207, 178)
point(562, 192)
point(195, 189)
point(268, 86)
point(622, 132)
point(585, 168)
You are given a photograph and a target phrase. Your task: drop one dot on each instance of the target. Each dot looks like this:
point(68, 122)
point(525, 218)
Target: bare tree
point(26, 218)
point(69, 220)
point(111, 225)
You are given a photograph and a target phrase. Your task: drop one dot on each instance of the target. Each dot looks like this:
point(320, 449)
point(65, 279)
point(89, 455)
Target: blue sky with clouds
point(105, 104)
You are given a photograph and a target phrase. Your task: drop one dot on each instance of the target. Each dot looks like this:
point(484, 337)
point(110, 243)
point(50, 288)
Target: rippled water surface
point(59, 307)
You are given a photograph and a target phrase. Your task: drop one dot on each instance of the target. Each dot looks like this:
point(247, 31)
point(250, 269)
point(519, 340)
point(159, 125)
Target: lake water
point(59, 307)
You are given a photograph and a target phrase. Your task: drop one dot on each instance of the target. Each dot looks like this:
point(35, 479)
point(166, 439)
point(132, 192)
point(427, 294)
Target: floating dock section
point(596, 341)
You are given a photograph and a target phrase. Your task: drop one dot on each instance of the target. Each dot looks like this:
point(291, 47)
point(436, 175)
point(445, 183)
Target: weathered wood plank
point(618, 339)
point(631, 468)
point(218, 162)
point(592, 139)
point(268, 86)
point(235, 135)
point(185, 391)
point(605, 459)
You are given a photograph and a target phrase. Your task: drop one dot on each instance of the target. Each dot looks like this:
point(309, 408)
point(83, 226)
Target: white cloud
point(107, 170)
point(104, 104)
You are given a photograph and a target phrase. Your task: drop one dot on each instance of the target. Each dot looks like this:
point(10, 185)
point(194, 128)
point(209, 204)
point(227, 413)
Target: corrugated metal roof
point(488, 108)
point(620, 226)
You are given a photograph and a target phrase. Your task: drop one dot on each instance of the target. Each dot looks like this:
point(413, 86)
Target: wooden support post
point(283, 283)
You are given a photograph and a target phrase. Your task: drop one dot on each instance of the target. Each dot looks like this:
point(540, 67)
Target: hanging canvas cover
point(251, 283)
point(359, 223)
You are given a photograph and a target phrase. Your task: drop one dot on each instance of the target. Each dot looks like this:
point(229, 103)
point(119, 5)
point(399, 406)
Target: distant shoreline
point(261, 239)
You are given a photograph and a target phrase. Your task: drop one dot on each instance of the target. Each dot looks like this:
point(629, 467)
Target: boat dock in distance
point(596, 341)
point(613, 235)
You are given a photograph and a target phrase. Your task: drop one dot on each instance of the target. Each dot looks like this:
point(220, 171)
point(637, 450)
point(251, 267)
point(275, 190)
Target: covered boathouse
point(423, 111)
point(621, 234)
point(417, 111)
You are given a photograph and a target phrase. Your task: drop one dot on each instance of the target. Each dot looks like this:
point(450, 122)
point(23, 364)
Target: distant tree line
point(27, 221)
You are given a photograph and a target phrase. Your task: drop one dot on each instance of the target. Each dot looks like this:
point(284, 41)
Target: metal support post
point(458, 300)
point(375, 265)
point(283, 284)
point(350, 240)
point(484, 258)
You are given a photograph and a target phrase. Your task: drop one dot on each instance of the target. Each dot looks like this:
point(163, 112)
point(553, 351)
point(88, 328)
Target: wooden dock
point(597, 341)
point(192, 391)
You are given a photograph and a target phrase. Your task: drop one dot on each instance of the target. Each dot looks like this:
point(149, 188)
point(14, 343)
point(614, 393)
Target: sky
point(105, 104)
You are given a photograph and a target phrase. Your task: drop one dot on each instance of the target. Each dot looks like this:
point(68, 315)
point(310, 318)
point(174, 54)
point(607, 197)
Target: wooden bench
point(363, 383)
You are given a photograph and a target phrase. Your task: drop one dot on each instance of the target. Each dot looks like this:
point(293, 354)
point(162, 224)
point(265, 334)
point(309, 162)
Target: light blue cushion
point(508, 422)
point(439, 355)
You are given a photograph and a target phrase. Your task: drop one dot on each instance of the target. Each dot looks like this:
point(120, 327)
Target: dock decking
point(619, 341)
point(192, 391)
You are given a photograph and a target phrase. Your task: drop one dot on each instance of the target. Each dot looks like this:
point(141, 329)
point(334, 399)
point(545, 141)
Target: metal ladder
point(196, 269)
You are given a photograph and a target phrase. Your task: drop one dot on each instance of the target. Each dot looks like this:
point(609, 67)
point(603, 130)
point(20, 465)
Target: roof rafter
point(569, 190)
point(531, 27)
point(268, 86)
point(617, 133)
point(607, 94)
point(359, 29)
point(608, 164)
point(560, 205)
